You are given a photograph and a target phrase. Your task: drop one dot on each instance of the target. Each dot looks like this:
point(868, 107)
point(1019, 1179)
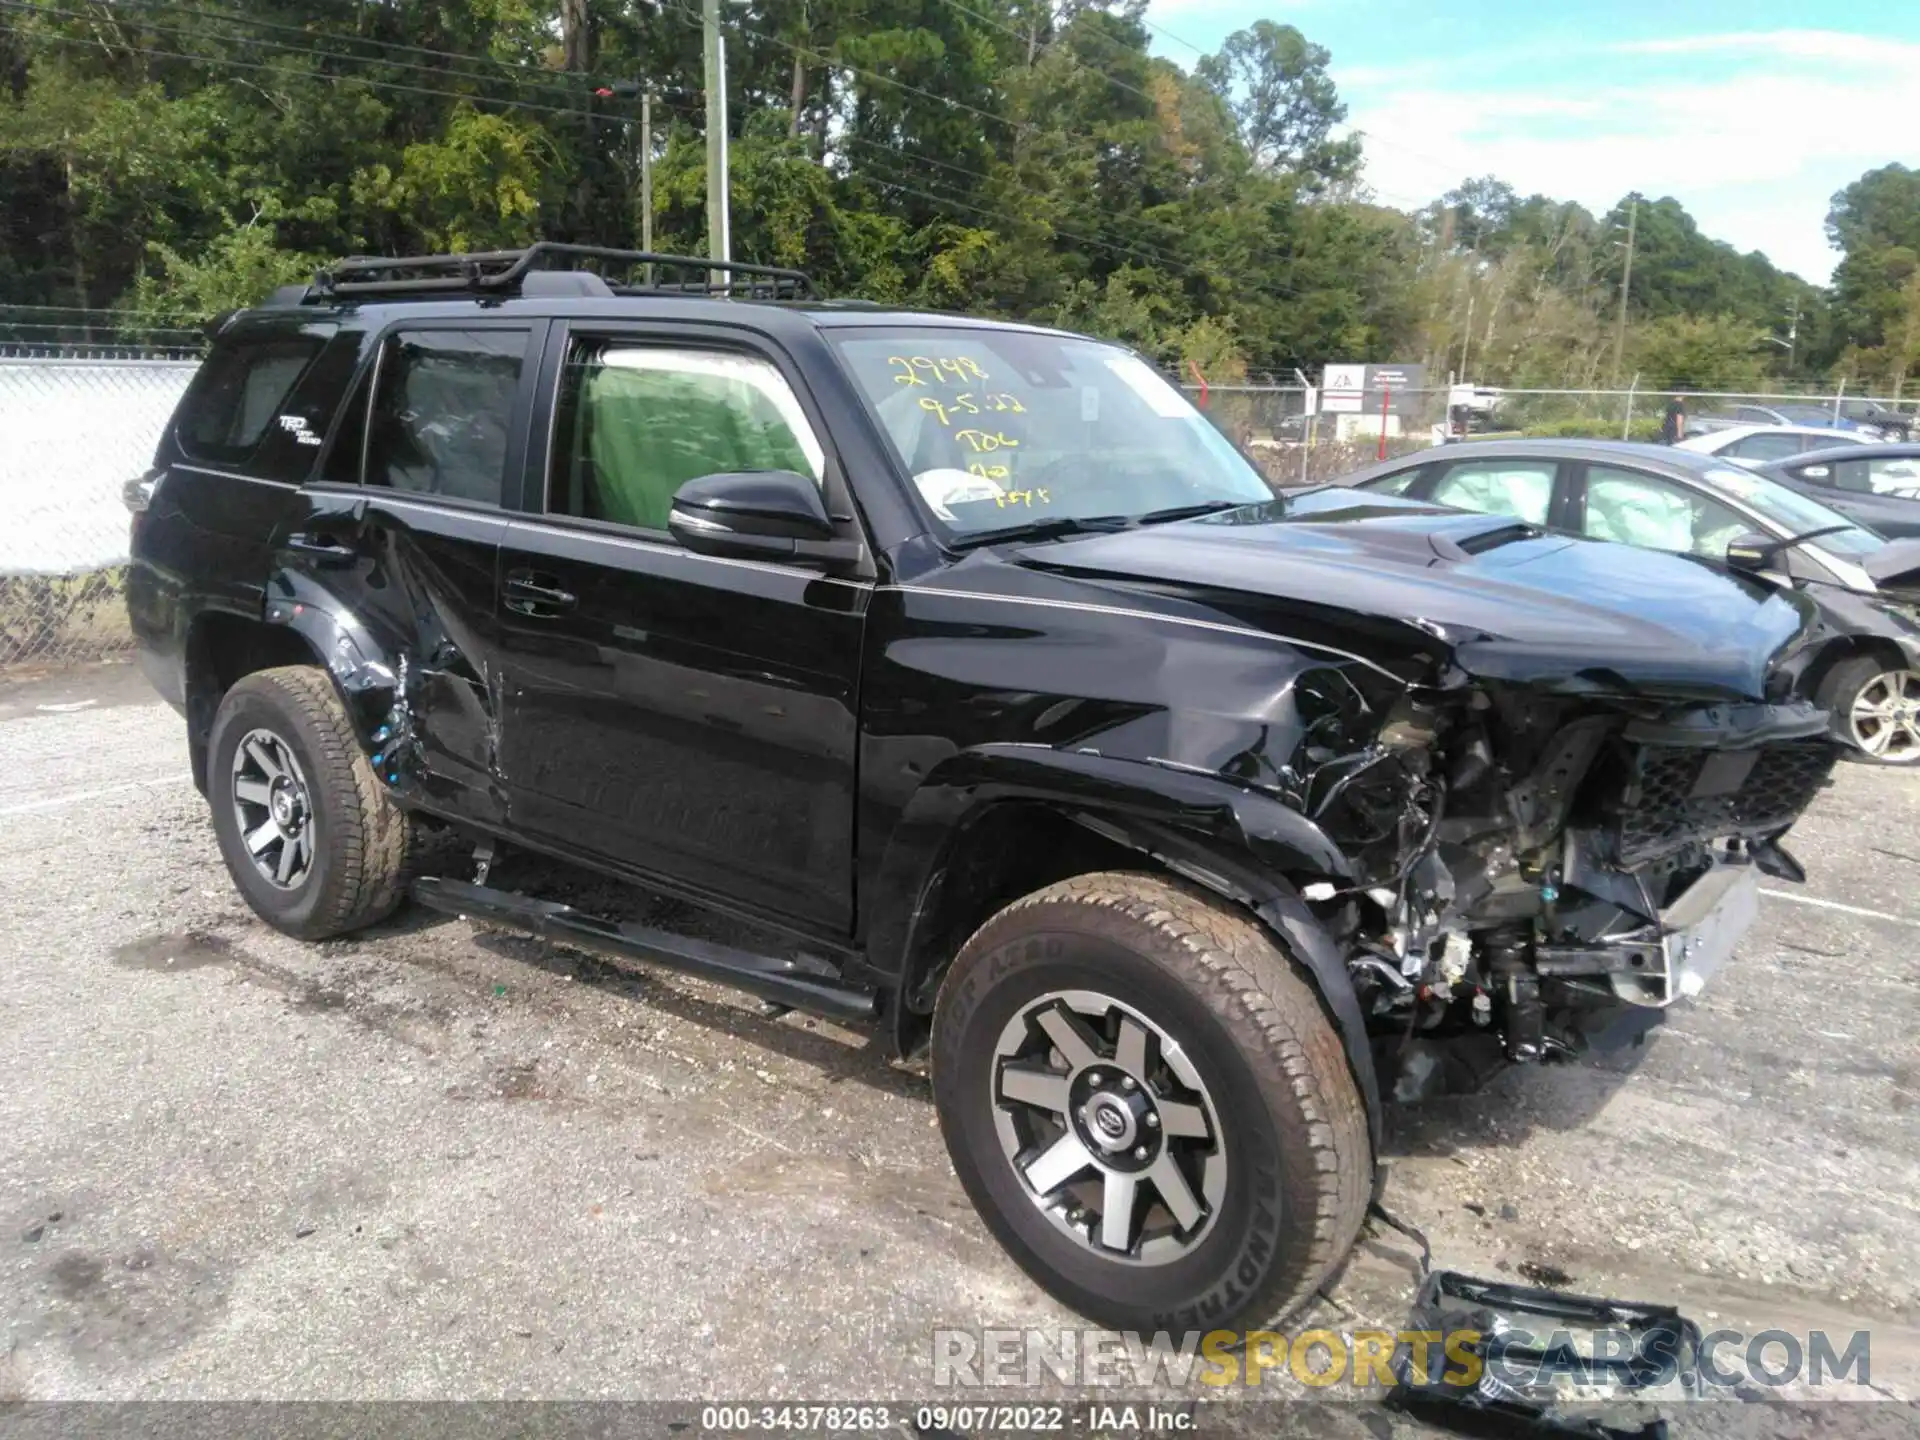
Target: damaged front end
point(1540, 873)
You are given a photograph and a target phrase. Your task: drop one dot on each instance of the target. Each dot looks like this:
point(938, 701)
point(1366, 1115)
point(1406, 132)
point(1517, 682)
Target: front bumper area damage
point(1538, 875)
point(1542, 1364)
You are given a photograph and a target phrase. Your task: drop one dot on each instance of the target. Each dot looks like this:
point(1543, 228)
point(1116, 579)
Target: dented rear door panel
point(407, 586)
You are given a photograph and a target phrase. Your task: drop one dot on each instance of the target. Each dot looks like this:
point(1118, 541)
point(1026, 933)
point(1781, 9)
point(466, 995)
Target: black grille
point(1675, 797)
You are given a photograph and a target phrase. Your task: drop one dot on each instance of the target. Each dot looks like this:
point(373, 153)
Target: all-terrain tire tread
point(372, 840)
point(1239, 967)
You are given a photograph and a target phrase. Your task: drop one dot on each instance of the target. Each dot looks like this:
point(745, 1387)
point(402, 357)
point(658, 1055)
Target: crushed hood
point(1512, 603)
point(1895, 565)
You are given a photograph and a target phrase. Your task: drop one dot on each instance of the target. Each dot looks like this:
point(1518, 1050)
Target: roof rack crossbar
point(493, 271)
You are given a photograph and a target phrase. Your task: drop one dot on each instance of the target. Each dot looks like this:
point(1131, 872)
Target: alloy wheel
point(1885, 717)
point(1108, 1126)
point(272, 809)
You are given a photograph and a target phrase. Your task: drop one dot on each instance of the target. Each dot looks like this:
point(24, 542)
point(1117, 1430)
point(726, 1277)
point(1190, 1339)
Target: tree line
point(162, 161)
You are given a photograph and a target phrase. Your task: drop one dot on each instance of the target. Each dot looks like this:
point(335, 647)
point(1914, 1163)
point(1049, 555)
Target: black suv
point(1175, 822)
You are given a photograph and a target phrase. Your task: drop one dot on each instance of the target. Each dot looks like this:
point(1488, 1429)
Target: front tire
point(1876, 710)
point(1147, 1104)
point(313, 842)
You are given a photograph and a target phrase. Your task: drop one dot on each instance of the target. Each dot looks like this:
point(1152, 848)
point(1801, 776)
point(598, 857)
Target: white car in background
point(1757, 444)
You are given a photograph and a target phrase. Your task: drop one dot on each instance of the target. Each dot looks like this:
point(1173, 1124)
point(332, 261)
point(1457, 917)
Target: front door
point(688, 719)
point(402, 532)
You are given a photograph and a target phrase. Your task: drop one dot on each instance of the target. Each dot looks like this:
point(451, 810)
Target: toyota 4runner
point(1174, 823)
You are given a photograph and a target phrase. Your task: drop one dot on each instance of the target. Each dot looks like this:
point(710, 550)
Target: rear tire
point(1171, 1039)
point(1874, 704)
point(313, 841)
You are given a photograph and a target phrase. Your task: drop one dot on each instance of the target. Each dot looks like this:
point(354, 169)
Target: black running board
point(767, 976)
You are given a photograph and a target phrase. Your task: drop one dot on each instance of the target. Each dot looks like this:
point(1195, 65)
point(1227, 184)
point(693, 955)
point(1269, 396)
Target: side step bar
point(770, 978)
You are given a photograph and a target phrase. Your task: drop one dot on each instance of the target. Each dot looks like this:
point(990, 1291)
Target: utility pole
point(1466, 336)
point(718, 240)
point(646, 177)
point(1793, 332)
point(1626, 279)
point(646, 170)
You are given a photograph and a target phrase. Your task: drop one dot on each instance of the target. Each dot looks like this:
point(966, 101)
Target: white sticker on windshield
point(1140, 378)
point(944, 487)
point(1089, 403)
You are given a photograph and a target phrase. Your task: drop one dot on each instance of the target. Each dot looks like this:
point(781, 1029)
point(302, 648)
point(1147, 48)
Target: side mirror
point(1752, 552)
point(767, 514)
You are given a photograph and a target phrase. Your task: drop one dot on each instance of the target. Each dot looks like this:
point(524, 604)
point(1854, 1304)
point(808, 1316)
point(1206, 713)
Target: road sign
point(1350, 389)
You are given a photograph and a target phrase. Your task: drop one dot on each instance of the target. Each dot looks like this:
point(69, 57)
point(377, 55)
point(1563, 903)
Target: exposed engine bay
point(1541, 874)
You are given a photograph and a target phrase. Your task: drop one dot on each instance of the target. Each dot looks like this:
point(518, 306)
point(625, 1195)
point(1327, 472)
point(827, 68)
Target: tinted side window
point(1640, 509)
point(350, 439)
point(442, 412)
point(1396, 484)
point(1765, 447)
point(239, 391)
point(636, 423)
point(1499, 487)
point(1897, 475)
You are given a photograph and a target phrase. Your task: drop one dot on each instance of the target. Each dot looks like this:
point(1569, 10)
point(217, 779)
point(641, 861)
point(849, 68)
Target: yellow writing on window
point(988, 472)
point(947, 409)
point(1017, 498)
point(928, 369)
point(980, 440)
point(966, 403)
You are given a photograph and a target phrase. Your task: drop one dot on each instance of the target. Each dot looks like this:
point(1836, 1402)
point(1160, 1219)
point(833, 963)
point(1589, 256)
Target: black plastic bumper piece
point(768, 976)
point(1523, 1343)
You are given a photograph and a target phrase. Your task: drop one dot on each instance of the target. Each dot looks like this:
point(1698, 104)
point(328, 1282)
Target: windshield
point(1798, 514)
point(1003, 428)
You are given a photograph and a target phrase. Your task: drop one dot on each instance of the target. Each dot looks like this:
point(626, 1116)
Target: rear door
point(688, 719)
point(401, 530)
point(1637, 507)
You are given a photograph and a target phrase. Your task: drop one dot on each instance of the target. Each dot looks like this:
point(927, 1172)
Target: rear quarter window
point(232, 413)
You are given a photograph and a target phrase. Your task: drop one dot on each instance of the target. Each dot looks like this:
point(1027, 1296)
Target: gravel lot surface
point(435, 1161)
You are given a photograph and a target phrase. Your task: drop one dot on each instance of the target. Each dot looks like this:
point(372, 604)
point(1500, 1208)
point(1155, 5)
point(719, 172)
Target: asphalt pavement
point(436, 1161)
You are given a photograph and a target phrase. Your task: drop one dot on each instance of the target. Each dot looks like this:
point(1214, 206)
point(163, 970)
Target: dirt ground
point(435, 1161)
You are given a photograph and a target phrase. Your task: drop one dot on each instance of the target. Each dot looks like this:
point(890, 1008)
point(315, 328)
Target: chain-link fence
point(1295, 446)
point(75, 426)
point(1635, 413)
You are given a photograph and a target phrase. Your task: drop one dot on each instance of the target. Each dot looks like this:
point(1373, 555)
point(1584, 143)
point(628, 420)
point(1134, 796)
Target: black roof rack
point(507, 272)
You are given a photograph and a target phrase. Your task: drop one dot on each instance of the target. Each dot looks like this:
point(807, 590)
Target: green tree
point(1689, 352)
point(1276, 82)
point(1875, 222)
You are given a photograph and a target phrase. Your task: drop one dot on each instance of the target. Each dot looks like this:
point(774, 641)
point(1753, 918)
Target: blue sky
point(1751, 114)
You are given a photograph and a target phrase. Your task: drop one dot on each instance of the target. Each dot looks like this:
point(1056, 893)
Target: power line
point(506, 70)
point(1142, 250)
point(388, 85)
point(1162, 30)
point(1074, 59)
point(838, 64)
point(881, 177)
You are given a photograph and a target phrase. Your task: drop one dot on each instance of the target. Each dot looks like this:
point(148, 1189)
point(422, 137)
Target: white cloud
point(1752, 132)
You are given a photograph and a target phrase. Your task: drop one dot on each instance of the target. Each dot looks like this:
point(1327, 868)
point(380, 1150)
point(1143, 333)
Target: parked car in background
point(1877, 485)
point(1668, 497)
point(1859, 418)
point(1891, 423)
point(1757, 444)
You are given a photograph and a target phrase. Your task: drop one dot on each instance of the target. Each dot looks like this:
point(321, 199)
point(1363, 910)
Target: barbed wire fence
point(76, 423)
